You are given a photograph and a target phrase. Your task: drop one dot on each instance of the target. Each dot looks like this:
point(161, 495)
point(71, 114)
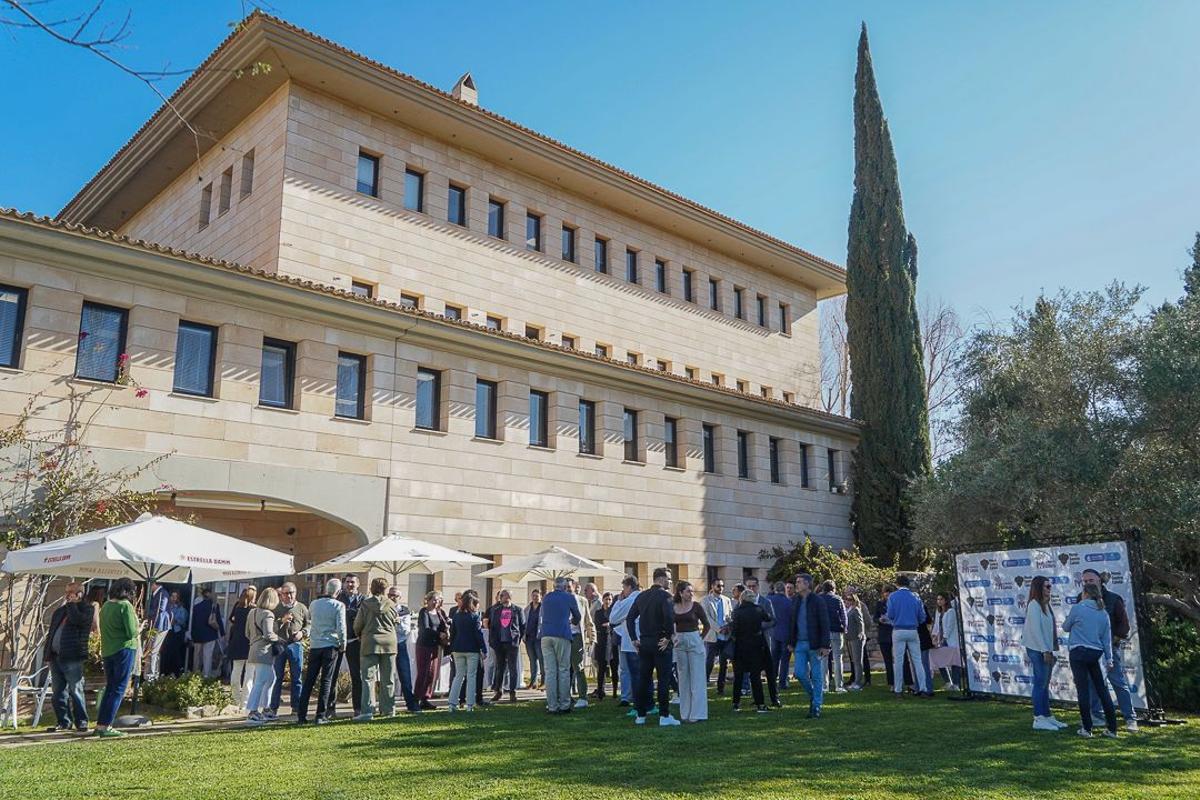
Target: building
point(375, 306)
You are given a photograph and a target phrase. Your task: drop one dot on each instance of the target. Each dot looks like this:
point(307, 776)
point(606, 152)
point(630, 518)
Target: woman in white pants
point(260, 663)
point(691, 626)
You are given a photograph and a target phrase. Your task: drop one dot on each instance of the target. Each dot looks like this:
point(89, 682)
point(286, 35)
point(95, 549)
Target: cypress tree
point(884, 335)
point(1191, 275)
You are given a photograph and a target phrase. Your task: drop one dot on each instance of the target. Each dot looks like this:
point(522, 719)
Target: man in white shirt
point(719, 610)
point(627, 647)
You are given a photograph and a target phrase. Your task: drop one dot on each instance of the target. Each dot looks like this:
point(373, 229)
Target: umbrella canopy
point(152, 548)
point(557, 562)
point(397, 555)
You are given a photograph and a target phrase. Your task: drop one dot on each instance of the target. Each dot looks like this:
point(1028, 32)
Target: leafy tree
point(846, 568)
point(884, 335)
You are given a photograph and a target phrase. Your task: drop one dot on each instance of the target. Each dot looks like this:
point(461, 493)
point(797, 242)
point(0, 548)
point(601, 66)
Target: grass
point(867, 746)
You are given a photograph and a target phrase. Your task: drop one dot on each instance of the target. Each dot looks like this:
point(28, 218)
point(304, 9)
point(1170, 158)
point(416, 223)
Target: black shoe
point(777, 703)
point(484, 703)
point(624, 704)
point(497, 695)
point(512, 697)
point(427, 706)
point(762, 710)
point(302, 720)
point(58, 729)
point(737, 708)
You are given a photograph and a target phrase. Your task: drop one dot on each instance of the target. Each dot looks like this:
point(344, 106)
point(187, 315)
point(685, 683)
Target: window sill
point(428, 431)
point(633, 463)
point(354, 420)
point(542, 447)
point(99, 383)
point(277, 408)
point(10, 370)
point(675, 469)
point(486, 440)
point(205, 398)
point(746, 479)
point(595, 456)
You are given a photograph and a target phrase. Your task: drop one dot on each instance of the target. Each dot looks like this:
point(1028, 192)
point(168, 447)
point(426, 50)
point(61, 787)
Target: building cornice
point(120, 258)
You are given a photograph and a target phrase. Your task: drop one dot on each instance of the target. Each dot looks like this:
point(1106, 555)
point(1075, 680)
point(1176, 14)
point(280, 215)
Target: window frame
point(496, 212)
point(785, 323)
point(569, 244)
point(428, 376)
point(122, 341)
point(490, 424)
point(739, 302)
point(587, 436)
point(689, 285)
point(773, 458)
point(416, 301)
point(743, 455)
point(289, 373)
point(708, 446)
point(411, 177)
point(225, 196)
point(761, 309)
point(456, 190)
point(536, 221)
point(365, 157)
point(360, 400)
point(18, 340)
point(714, 294)
point(600, 255)
point(247, 179)
point(539, 424)
point(456, 313)
point(205, 206)
point(631, 265)
point(209, 390)
point(660, 277)
point(356, 284)
point(671, 442)
point(629, 431)
point(805, 482)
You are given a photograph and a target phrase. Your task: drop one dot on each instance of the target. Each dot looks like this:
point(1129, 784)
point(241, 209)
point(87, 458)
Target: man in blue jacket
point(781, 631)
point(905, 613)
point(559, 612)
point(810, 642)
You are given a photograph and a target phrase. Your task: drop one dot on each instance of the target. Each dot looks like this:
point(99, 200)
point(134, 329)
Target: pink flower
point(82, 335)
point(123, 358)
point(141, 393)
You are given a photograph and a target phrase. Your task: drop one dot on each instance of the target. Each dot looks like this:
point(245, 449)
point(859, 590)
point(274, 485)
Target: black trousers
point(739, 674)
point(885, 650)
point(351, 657)
point(323, 661)
point(608, 663)
point(713, 652)
point(772, 671)
point(506, 664)
point(651, 662)
point(1085, 669)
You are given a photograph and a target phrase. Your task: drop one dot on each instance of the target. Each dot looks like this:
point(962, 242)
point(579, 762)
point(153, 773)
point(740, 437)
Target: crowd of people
point(650, 648)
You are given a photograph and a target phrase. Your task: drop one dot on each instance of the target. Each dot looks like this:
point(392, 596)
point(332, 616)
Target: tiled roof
point(314, 286)
point(258, 16)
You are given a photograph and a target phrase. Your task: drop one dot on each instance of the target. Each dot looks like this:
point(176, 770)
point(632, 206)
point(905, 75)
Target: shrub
point(1175, 670)
point(846, 568)
point(190, 690)
point(343, 686)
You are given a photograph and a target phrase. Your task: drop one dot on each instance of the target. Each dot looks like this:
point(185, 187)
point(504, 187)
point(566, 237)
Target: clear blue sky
point(1040, 144)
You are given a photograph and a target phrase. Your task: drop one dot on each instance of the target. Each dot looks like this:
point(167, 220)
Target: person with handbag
point(207, 628)
point(265, 647)
point(239, 646)
point(375, 627)
point(431, 629)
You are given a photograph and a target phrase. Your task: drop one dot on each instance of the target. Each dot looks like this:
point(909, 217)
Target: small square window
point(569, 341)
point(533, 332)
point(717, 379)
point(495, 323)
point(368, 174)
point(602, 350)
point(662, 366)
point(453, 312)
point(414, 190)
point(691, 373)
point(788, 397)
point(633, 358)
point(743, 386)
point(765, 391)
point(410, 300)
point(362, 289)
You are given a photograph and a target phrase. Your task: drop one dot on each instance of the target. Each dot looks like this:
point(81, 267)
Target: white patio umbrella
point(152, 548)
point(397, 555)
point(557, 562)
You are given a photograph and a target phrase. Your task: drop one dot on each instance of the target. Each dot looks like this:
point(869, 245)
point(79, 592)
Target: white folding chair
point(36, 683)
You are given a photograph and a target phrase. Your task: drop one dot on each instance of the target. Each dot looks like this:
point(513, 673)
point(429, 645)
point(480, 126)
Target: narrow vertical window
point(762, 311)
point(804, 484)
point(601, 255)
point(689, 287)
point(195, 359)
point(739, 302)
point(660, 275)
point(247, 174)
point(485, 409)
point(456, 205)
point(101, 353)
point(495, 218)
point(671, 441)
point(785, 323)
point(429, 399)
point(631, 266)
point(205, 206)
point(568, 243)
point(708, 440)
point(714, 294)
point(368, 174)
point(278, 375)
point(587, 427)
point(834, 482)
point(773, 453)
point(743, 454)
point(533, 233)
point(414, 190)
point(12, 325)
point(631, 435)
point(351, 386)
point(539, 419)
point(226, 195)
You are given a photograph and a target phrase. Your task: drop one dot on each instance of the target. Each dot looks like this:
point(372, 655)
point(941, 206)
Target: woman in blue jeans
point(1041, 642)
point(118, 645)
point(1090, 642)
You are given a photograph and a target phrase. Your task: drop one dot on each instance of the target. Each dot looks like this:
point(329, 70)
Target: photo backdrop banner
point(993, 590)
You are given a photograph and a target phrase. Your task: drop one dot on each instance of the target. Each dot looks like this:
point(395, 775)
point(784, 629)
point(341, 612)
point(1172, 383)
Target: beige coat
point(375, 626)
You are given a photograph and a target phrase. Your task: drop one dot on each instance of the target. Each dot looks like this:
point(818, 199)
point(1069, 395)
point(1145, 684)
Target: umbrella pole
point(137, 677)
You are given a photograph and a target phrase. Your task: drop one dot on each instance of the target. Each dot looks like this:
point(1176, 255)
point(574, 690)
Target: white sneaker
point(675, 700)
point(1058, 722)
point(667, 722)
point(854, 687)
point(365, 717)
point(840, 690)
point(1109, 734)
point(1085, 733)
point(1131, 725)
point(640, 721)
point(950, 687)
point(1044, 724)
point(581, 703)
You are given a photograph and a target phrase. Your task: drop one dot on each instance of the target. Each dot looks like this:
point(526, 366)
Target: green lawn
point(867, 745)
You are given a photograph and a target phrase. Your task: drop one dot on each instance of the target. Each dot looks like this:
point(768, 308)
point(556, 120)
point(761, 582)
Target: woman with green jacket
point(118, 646)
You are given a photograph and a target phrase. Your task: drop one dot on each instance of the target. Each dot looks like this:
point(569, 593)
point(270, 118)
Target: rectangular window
point(785, 323)
point(788, 397)
point(743, 454)
point(690, 373)
point(568, 341)
point(12, 325)
point(601, 255)
point(495, 218)
point(362, 289)
point(762, 310)
point(804, 466)
point(205, 206)
point(456, 205)
point(101, 354)
point(410, 301)
point(495, 324)
point(485, 409)
point(739, 304)
point(277, 381)
point(631, 435)
point(742, 386)
point(709, 441)
point(663, 366)
point(414, 190)
point(602, 350)
point(671, 441)
point(718, 379)
point(765, 391)
point(539, 419)
point(195, 359)
point(429, 399)
point(533, 233)
point(773, 452)
point(831, 456)
point(453, 312)
point(533, 332)
point(368, 174)
point(631, 266)
point(247, 174)
point(689, 287)
point(587, 427)
point(660, 275)
point(633, 358)
point(714, 294)
point(568, 243)
point(226, 191)
point(351, 386)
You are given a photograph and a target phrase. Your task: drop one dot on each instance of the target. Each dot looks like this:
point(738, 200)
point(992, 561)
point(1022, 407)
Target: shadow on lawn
point(903, 746)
